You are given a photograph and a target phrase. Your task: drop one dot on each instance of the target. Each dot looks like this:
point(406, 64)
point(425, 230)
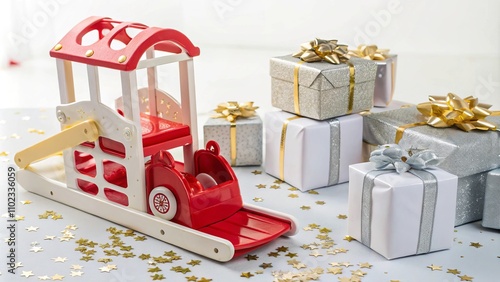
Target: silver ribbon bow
point(392, 156)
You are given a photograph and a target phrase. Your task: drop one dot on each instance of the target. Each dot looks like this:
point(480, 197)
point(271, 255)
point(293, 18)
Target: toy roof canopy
point(100, 53)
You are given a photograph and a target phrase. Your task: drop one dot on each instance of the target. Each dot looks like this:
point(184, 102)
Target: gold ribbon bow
point(232, 110)
point(369, 52)
point(320, 49)
point(467, 114)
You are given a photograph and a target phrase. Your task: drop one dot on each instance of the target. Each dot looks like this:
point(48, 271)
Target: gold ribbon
point(451, 110)
point(282, 146)
point(231, 111)
point(320, 49)
point(369, 52)
point(323, 50)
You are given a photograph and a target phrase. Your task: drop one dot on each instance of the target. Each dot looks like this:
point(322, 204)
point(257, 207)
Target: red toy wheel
point(162, 203)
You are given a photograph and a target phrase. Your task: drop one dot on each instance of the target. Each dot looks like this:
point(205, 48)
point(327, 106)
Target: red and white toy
point(115, 163)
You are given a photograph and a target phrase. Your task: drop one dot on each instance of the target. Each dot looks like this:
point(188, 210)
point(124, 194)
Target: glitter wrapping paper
point(385, 81)
point(248, 139)
point(491, 215)
point(316, 153)
point(464, 153)
point(397, 201)
point(323, 87)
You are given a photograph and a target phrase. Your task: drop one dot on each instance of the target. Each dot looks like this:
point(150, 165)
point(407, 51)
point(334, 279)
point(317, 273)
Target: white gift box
point(248, 139)
point(396, 209)
point(309, 154)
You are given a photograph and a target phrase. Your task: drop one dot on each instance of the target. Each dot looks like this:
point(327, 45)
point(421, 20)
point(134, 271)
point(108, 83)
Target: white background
point(443, 46)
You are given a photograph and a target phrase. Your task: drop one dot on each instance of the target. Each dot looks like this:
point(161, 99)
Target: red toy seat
point(161, 134)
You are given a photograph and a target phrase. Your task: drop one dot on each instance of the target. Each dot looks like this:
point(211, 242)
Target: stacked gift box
point(437, 171)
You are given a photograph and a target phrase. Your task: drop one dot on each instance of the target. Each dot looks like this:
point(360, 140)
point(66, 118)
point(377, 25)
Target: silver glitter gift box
point(469, 155)
point(385, 81)
point(400, 215)
point(323, 88)
point(309, 154)
point(491, 215)
point(248, 139)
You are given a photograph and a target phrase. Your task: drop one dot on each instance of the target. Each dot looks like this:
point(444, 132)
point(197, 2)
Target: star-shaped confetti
point(358, 273)
point(434, 267)
point(44, 277)
point(246, 274)
point(305, 208)
point(76, 267)
point(154, 269)
point(320, 203)
point(291, 255)
point(158, 277)
point(57, 277)
point(293, 195)
point(32, 229)
point(453, 271)
point(335, 270)
point(293, 189)
point(257, 172)
point(49, 237)
point(465, 278)
point(192, 278)
point(36, 249)
point(341, 216)
point(266, 265)
point(348, 238)
point(315, 254)
point(260, 186)
point(59, 259)
point(26, 202)
point(257, 199)
point(475, 245)
point(364, 265)
point(27, 273)
point(273, 254)
point(76, 273)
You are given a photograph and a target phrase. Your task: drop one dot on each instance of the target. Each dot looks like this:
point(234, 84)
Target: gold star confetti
point(140, 238)
point(257, 199)
point(475, 245)
point(434, 267)
point(260, 186)
point(105, 260)
point(365, 265)
point(341, 216)
point(465, 278)
point(291, 255)
point(279, 181)
point(250, 257)
point(27, 273)
point(76, 267)
point(320, 203)
point(49, 237)
point(299, 265)
point(453, 271)
point(111, 253)
point(71, 227)
point(315, 254)
point(38, 131)
point(194, 262)
point(274, 187)
point(293, 195)
point(273, 254)
point(325, 230)
point(19, 217)
point(105, 268)
point(154, 269)
point(36, 249)
point(282, 249)
point(305, 208)
point(345, 279)
point(192, 278)
point(128, 255)
point(348, 238)
point(246, 274)
point(266, 265)
point(45, 277)
point(27, 202)
point(203, 279)
point(314, 226)
point(335, 270)
point(345, 264)
point(322, 237)
point(4, 154)
point(31, 228)
point(59, 259)
point(256, 172)
point(358, 273)
point(57, 277)
point(76, 273)
point(158, 277)
point(87, 258)
point(293, 189)
point(313, 192)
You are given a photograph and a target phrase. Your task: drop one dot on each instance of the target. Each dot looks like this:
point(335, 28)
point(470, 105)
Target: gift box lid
point(464, 153)
point(322, 75)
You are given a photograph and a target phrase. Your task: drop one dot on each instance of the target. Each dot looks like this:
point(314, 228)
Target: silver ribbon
point(390, 157)
point(333, 177)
